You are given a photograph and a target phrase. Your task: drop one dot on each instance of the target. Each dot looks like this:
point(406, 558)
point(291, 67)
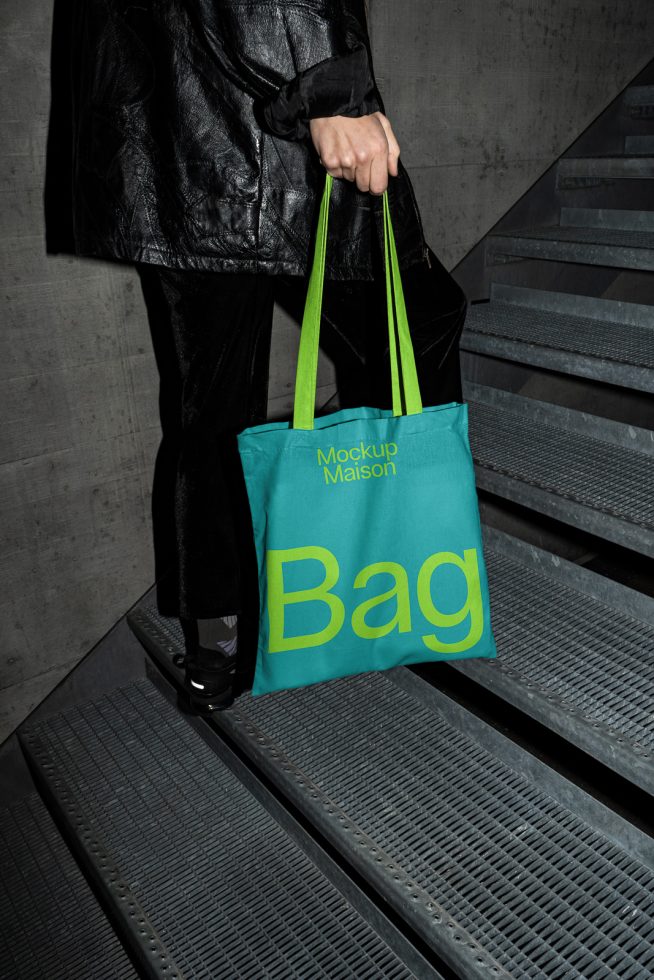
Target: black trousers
point(211, 335)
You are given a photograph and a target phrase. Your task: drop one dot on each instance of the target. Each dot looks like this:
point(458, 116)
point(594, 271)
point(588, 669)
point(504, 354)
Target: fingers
point(393, 155)
point(379, 170)
point(348, 156)
point(335, 171)
point(372, 170)
point(358, 149)
point(332, 169)
point(393, 145)
point(372, 164)
point(334, 152)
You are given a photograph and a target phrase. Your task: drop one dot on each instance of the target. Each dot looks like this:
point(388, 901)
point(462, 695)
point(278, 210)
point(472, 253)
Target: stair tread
point(576, 651)
point(641, 144)
point(227, 891)
point(459, 809)
point(605, 157)
point(605, 339)
point(639, 94)
point(581, 477)
point(619, 237)
point(436, 812)
point(606, 477)
point(52, 924)
point(640, 165)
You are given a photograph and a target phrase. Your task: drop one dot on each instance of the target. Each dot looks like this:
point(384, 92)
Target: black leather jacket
point(179, 135)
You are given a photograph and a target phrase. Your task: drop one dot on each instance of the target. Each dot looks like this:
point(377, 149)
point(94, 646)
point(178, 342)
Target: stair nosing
point(624, 374)
point(608, 430)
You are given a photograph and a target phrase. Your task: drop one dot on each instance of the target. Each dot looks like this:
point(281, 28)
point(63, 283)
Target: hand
point(361, 149)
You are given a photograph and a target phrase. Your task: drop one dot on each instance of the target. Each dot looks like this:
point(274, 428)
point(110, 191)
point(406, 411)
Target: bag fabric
point(366, 521)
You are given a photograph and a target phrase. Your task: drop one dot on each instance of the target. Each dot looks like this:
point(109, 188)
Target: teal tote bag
point(366, 521)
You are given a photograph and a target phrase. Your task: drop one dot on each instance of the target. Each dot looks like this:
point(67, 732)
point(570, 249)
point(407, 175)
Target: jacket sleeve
point(338, 86)
point(330, 50)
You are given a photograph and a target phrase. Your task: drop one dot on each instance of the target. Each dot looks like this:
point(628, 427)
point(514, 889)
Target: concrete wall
point(482, 95)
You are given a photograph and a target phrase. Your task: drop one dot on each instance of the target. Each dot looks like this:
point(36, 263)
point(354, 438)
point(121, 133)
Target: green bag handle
point(307, 364)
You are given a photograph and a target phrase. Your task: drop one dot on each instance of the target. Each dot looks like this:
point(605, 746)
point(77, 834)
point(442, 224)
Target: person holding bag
point(192, 140)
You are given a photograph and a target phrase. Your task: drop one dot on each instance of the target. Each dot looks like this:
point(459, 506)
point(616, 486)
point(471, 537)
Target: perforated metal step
point(601, 339)
point(587, 471)
point(208, 880)
point(620, 239)
point(613, 168)
point(51, 924)
point(638, 101)
point(638, 143)
point(503, 866)
point(576, 653)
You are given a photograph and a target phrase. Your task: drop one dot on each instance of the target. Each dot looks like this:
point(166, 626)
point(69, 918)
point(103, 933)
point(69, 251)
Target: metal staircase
point(577, 647)
point(480, 819)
